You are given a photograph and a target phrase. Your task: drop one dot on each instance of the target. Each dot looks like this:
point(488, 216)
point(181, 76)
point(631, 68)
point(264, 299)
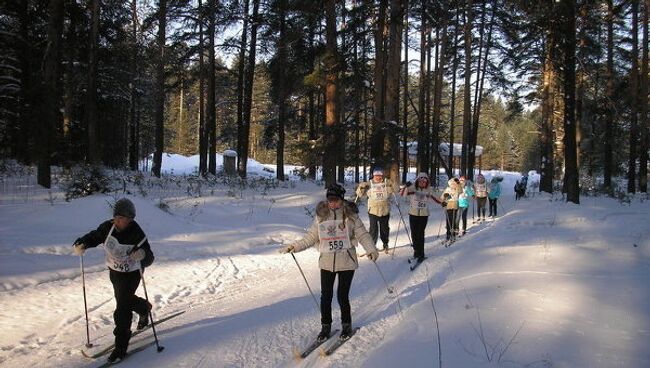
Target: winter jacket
point(451, 194)
point(495, 189)
point(132, 235)
point(480, 189)
point(377, 207)
point(346, 259)
point(419, 199)
point(465, 196)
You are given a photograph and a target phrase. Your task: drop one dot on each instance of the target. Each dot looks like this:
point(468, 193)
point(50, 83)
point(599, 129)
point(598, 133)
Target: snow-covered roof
point(443, 148)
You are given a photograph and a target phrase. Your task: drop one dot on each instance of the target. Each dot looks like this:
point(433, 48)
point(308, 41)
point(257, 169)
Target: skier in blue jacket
point(493, 195)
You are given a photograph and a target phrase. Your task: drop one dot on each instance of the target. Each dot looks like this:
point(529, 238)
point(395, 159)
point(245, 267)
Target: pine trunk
point(159, 114)
point(467, 103)
point(643, 103)
point(609, 119)
point(634, 100)
point(571, 176)
point(331, 95)
point(240, 76)
point(90, 109)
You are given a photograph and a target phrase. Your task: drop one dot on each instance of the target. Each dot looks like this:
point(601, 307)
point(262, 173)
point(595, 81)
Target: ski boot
point(324, 333)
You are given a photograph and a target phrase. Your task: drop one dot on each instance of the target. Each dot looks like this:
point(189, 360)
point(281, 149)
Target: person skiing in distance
point(480, 188)
point(378, 190)
point(493, 195)
point(450, 202)
point(466, 194)
point(419, 195)
point(336, 230)
point(127, 254)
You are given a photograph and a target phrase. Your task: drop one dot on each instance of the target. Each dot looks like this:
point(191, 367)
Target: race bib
point(419, 200)
point(117, 255)
point(333, 235)
point(378, 192)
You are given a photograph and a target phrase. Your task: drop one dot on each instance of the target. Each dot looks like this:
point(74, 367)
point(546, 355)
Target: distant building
point(443, 148)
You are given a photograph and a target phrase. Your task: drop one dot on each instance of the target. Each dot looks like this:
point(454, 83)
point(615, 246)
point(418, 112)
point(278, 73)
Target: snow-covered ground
point(546, 284)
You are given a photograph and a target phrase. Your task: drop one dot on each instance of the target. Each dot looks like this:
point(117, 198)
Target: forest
point(556, 86)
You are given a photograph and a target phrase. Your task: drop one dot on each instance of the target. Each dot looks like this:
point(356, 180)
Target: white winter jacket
point(343, 260)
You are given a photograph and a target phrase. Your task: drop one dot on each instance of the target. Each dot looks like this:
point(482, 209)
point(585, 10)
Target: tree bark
point(203, 140)
point(467, 103)
point(634, 100)
point(94, 145)
point(211, 108)
point(331, 97)
point(571, 176)
point(379, 119)
point(52, 96)
point(405, 163)
point(134, 139)
point(159, 99)
point(643, 103)
point(242, 163)
point(609, 120)
point(283, 92)
point(241, 76)
point(423, 134)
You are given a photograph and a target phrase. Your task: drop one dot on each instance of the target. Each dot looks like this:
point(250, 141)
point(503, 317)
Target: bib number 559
point(336, 245)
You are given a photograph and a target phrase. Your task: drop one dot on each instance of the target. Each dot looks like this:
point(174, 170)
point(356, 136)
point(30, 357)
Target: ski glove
point(373, 255)
point(137, 255)
point(78, 249)
point(288, 249)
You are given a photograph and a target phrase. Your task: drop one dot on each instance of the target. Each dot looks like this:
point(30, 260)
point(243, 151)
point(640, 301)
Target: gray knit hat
point(124, 207)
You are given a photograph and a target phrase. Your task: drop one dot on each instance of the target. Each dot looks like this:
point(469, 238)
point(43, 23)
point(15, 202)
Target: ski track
point(216, 286)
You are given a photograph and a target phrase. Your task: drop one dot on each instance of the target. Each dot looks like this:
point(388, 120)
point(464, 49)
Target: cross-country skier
point(480, 188)
point(493, 195)
point(337, 229)
point(466, 194)
point(450, 202)
point(127, 253)
point(419, 195)
point(378, 190)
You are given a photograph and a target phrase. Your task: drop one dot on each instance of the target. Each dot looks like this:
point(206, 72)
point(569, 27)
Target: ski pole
point(83, 283)
point(440, 224)
point(306, 283)
point(153, 325)
point(399, 223)
point(404, 222)
point(388, 288)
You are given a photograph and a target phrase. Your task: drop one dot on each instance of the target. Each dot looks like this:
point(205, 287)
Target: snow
point(546, 284)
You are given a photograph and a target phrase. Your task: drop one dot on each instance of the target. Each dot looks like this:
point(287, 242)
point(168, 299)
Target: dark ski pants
point(124, 286)
point(480, 203)
point(383, 228)
point(452, 224)
point(462, 217)
point(342, 294)
point(418, 225)
point(493, 207)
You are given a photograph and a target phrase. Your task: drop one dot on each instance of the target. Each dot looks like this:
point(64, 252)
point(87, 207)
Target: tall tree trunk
point(379, 118)
point(452, 110)
point(467, 102)
point(437, 92)
point(242, 164)
point(609, 120)
point(643, 103)
point(405, 157)
point(580, 79)
point(546, 128)
point(283, 90)
point(393, 67)
point(423, 134)
point(331, 94)
point(51, 94)
point(634, 100)
point(311, 96)
point(134, 141)
point(479, 94)
point(94, 147)
point(241, 76)
point(571, 176)
point(159, 98)
point(211, 108)
point(203, 140)
point(28, 127)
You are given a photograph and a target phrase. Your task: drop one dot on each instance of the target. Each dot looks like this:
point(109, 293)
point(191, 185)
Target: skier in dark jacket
point(127, 254)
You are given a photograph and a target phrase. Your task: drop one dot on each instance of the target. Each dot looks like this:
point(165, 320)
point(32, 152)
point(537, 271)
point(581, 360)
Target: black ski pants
point(342, 294)
point(379, 224)
point(462, 217)
point(493, 207)
point(124, 286)
point(418, 225)
point(452, 224)
point(480, 203)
